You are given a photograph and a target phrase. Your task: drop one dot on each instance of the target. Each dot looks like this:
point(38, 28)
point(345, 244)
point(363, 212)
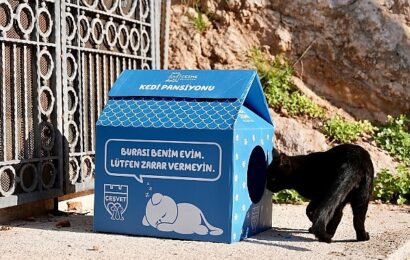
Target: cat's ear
point(284, 160)
point(156, 198)
point(275, 154)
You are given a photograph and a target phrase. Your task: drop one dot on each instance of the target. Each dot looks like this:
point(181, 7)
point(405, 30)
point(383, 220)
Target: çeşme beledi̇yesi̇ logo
point(177, 76)
point(178, 82)
point(116, 200)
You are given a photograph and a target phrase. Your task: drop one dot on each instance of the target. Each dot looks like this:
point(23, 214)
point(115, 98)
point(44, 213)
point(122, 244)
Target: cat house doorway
point(256, 175)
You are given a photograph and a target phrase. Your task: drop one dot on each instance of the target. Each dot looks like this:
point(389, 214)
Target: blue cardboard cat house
point(183, 154)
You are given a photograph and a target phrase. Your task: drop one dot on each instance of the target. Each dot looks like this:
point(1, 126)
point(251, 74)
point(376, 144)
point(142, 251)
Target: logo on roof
point(176, 77)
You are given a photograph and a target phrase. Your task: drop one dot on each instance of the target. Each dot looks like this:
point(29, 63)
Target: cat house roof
point(192, 99)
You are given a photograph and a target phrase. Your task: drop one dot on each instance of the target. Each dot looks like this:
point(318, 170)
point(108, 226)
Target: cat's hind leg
point(201, 230)
point(310, 211)
point(360, 202)
point(345, 182)
point(334, 222)
point(319, 226)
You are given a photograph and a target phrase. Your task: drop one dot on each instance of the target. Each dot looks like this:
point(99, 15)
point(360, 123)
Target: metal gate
point(58, 61)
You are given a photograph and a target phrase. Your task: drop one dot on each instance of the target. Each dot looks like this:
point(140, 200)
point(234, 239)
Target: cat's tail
point(360, 200)
point(212, 230)
point(361, 195)
point(369, 173)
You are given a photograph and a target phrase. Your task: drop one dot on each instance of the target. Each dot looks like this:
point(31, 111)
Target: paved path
point(39, 238)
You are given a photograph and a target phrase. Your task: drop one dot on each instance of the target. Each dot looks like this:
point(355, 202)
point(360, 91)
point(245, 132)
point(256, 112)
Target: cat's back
point(334, 158)
point(350, 156)
point(350, 152)
point(318, 171)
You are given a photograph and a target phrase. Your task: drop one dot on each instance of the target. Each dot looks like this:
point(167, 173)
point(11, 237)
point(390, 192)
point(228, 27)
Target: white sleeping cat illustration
point(165, 215)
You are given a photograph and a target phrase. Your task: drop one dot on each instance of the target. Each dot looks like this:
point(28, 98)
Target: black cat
point(330, 180)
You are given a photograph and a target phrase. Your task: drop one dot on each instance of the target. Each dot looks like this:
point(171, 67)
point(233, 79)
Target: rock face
point(360, 52)
point(295, 138)
point(221, 45)
point(356, 53)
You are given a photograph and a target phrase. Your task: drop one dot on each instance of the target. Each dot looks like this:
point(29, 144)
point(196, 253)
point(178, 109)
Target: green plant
point(288, 197)
point(201, 19)
point(394, 137)
point(341, 130)
point(279, 89)
point(299, 104)
point(274, 73)
point(393, 188)
point(200, 22)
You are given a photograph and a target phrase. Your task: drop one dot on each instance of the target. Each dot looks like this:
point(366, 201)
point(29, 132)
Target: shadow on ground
point(275, 236)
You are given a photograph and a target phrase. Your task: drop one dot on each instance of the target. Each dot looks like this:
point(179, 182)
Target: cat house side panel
point(252, 203)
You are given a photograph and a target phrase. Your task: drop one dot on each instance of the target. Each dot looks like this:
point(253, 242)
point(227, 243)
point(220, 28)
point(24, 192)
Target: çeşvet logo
point(116, 200)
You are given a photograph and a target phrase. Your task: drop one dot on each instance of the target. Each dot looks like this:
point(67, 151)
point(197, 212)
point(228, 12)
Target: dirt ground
point(39, 238)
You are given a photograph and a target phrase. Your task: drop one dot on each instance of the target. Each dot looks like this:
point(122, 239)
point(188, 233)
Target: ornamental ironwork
point(58, 61)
